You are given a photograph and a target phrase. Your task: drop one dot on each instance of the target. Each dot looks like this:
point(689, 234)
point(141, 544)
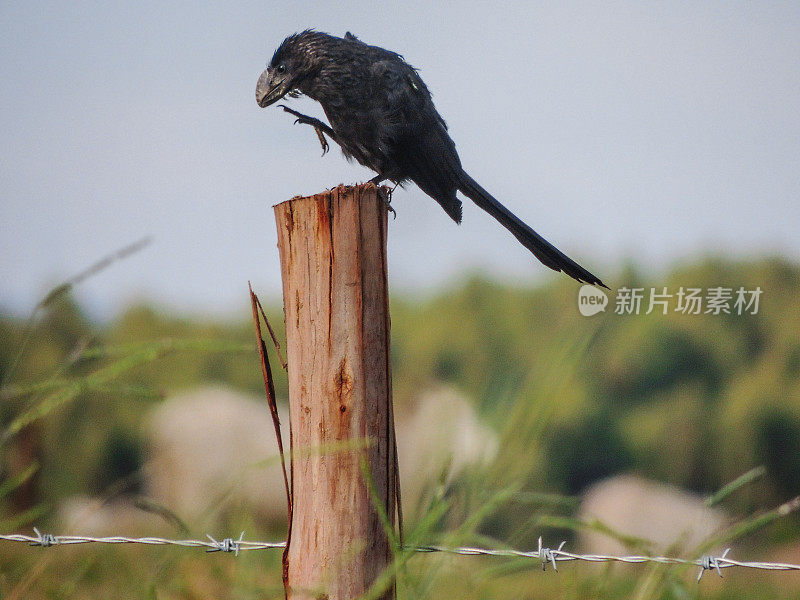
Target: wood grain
point(333, 264)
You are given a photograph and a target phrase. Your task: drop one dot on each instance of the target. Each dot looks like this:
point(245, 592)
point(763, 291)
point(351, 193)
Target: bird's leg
point(384, 193)
point(320, 127)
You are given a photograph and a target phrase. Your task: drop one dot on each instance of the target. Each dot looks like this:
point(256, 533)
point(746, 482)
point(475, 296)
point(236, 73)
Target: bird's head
point(292, 63)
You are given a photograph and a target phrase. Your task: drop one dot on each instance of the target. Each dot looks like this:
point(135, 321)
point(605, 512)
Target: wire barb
point(226, 545)
point(547, 555)
point(712, 562)
point(44, 540)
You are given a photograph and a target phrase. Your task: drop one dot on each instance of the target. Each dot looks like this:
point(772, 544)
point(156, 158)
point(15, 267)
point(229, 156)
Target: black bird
point(381, 113)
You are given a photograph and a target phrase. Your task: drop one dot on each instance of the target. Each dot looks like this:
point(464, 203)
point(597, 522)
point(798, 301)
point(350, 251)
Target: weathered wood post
point(333, 263)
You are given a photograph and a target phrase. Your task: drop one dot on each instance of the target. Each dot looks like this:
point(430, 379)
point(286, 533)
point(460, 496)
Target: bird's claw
point(315, 123)
point(323, 142)
point(386, 195)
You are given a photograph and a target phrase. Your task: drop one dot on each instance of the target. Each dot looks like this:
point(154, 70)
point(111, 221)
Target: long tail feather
point(548, 254)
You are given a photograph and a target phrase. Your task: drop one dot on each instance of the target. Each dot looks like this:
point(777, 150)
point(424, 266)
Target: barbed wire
point(226, 545)
point(546, 556)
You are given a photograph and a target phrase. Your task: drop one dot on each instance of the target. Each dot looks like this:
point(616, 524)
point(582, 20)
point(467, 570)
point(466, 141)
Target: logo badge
point(591, 300)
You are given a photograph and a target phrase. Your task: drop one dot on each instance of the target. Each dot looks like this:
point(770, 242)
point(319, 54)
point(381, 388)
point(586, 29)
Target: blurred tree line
point(689, 399)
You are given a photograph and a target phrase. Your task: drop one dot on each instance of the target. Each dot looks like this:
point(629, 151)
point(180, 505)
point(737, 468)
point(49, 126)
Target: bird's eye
point(281, 69)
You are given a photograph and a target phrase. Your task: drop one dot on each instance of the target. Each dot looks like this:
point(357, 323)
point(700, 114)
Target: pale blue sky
point(646, 130)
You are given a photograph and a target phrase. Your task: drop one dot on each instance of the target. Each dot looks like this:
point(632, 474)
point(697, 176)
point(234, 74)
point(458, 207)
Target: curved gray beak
point(269, 91)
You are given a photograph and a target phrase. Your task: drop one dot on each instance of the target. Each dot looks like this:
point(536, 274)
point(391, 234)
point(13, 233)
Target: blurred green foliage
point(692, 400)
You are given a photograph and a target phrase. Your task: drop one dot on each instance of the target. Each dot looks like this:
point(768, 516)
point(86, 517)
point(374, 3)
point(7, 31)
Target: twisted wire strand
point(546, 556)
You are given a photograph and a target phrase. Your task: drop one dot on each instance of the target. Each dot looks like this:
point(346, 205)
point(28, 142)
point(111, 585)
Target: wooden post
point(333, 263)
